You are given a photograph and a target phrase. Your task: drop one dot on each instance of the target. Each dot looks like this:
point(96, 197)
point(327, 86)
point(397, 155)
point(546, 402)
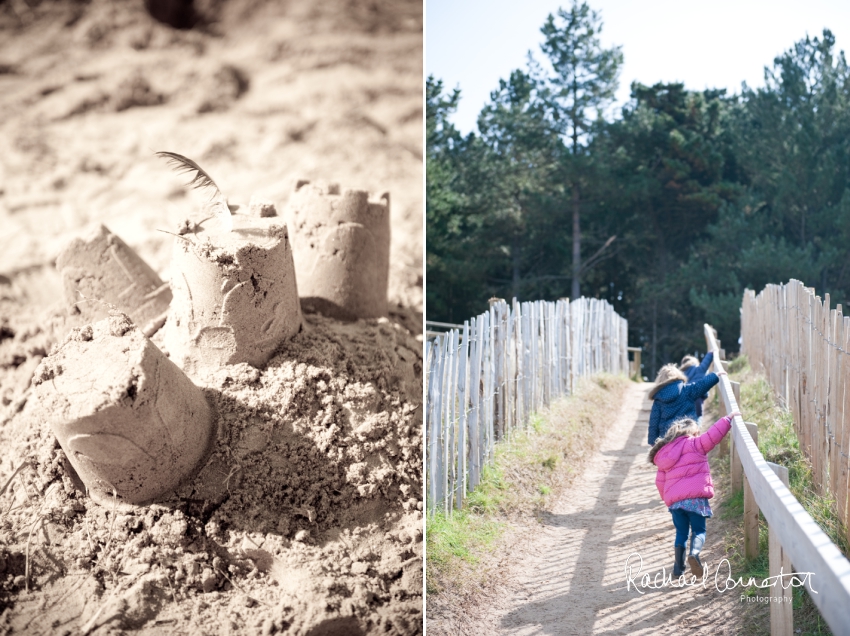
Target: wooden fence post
point(433, 436)
point(633, 367)
point(488, 388)
point(509, 370)
point(781, 606)
point(843, 439)
point(724, 447)
point(450, 466)
point(463, 399)
point(473, 397)
point(438, 418)
point(736, 472)
point(499, 348)
point(751, 510)
point(836, 411)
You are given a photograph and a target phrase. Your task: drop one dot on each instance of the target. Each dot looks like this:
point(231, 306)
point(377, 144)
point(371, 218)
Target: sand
point(306, 518)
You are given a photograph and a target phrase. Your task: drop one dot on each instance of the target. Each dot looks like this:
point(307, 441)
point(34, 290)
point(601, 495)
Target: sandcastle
point(235, 295)
point(130, 421)
point(341, 243)
point(99, 270)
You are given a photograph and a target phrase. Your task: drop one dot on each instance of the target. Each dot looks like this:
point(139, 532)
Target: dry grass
point(468, 552)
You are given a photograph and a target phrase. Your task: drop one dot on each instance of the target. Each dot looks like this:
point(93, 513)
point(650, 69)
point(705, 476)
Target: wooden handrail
point(447, 325)
point(809, 548)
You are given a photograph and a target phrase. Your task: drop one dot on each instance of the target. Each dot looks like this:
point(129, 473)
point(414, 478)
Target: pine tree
point(584, 80)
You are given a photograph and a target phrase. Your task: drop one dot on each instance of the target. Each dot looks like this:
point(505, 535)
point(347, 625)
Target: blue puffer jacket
point(698, 373)
point(676, 401)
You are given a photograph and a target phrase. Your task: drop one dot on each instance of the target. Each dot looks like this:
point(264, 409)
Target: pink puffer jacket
point(683, 471)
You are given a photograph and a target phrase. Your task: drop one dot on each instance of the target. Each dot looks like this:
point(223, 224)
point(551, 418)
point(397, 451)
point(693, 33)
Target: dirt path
point(574, 581)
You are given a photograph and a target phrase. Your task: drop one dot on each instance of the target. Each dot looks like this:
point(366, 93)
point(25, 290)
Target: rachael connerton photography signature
point(722, 578)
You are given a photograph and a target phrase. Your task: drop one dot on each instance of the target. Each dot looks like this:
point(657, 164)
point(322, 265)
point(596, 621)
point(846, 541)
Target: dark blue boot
point(679, 565)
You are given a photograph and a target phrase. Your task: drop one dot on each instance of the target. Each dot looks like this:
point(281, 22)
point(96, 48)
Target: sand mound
point(306, 519)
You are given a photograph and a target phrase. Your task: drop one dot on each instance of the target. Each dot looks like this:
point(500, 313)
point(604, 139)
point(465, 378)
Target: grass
point(459, 536)
point(778, 443)
point(528, 471)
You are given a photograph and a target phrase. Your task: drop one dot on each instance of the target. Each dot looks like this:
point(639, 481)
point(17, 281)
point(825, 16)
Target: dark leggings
point(686, 521)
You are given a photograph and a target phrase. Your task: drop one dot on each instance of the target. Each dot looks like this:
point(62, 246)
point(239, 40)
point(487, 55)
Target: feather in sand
point(201, 180)
point(222, 213)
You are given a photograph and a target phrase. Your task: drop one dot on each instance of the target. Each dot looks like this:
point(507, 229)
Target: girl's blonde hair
point(688, 362)
point(668, 374)
point(679, 428)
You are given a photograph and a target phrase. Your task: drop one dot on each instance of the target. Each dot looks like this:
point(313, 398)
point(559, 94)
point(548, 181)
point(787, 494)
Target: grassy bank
point(530, 469)
point(778, 442)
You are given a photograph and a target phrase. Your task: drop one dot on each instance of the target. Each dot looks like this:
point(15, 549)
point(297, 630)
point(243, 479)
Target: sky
point(471, 44)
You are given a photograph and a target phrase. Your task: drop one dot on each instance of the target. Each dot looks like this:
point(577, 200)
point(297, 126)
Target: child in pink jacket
point(684, 483)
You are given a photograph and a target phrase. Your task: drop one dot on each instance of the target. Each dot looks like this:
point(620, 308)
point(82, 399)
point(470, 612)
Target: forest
point(669, 208)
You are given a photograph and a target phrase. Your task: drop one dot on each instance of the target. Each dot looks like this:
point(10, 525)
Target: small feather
point(185, 165)
point(222, 213)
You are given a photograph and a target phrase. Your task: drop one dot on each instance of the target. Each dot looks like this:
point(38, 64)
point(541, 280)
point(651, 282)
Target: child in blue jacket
point(673, 398)
point(694, 371)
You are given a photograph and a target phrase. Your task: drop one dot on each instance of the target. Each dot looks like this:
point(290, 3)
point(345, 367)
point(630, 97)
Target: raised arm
point(712, 436)
point(694, 390)
point(705, 365)
point(654, 422)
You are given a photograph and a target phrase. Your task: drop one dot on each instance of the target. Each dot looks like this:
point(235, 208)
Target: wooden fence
point(803, 347)
point(795, 538)
point(486, 379)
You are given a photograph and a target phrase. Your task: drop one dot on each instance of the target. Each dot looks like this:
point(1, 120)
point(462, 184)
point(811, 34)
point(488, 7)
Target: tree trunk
point(576, 291)
point(654, 339)
point(665, 335)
